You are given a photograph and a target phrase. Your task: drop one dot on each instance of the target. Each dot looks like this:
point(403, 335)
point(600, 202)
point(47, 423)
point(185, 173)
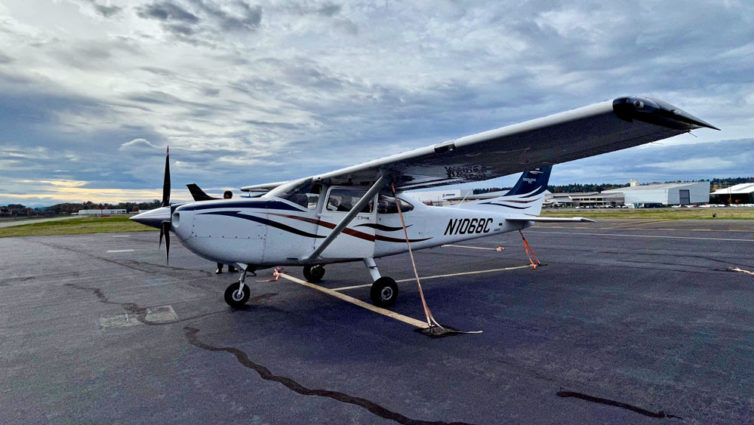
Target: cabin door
point(356, 240)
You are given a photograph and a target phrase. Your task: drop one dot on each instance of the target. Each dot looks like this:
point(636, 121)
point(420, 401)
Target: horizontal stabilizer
point(551, 219)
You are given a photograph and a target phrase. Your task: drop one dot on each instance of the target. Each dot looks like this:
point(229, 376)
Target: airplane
point(362, 213)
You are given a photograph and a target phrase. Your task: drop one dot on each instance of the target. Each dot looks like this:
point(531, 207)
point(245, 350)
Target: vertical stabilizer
point(525, 198)
point(532, 182)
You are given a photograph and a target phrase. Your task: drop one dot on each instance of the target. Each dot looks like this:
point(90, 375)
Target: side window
point(387, 205)
point(343, 199)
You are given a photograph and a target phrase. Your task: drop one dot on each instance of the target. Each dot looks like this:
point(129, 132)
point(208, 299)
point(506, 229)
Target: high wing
point(264, 187)
point(603, 127)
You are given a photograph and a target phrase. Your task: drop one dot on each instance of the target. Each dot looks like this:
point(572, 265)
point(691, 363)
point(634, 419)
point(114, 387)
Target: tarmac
point(628, 321)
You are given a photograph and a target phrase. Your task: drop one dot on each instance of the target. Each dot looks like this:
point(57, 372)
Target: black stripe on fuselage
point(382, 227)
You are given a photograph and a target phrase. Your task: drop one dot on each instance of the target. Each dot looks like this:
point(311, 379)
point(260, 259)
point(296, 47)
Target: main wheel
point(384, 292)
point(236, 298)
point(314, 273)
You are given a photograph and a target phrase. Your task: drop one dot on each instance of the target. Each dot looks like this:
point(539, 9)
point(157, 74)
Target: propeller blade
point(166, 181)
point(167, 242)
point(165, 230)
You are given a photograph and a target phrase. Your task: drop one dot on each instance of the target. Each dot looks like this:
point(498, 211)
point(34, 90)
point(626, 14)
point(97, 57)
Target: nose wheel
point(238, 293)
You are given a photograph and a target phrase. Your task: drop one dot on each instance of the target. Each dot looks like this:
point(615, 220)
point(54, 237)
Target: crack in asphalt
point(267, 375)
point(659, 415)
point(135, 309)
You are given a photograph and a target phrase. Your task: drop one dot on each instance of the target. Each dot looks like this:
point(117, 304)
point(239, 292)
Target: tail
point(198, 194)
point(525, 198)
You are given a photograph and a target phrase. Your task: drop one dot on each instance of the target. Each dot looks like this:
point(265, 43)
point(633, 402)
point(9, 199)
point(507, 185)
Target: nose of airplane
point(153, 217)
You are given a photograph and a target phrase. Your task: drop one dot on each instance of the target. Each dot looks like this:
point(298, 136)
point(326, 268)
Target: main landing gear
point(314, 273)
point(384, 290)
point(238, 293)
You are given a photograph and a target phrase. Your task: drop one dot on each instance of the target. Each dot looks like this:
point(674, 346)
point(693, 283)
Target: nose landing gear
point(238, 293)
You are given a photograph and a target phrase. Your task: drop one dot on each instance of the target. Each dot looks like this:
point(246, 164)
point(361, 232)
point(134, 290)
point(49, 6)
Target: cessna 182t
point(360, 213)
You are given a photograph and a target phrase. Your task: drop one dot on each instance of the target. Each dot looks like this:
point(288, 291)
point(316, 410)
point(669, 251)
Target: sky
point(244, 92)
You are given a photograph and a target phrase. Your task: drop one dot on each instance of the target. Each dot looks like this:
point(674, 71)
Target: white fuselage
point(270, 231)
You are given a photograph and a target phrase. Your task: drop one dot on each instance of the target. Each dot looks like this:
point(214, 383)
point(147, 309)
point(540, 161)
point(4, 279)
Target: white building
point(739, 194)
point(664, 194)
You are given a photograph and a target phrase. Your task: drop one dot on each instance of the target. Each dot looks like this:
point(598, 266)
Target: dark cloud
point(330, 9)
point(247, 20)
point(167, 11)
point(189, 18)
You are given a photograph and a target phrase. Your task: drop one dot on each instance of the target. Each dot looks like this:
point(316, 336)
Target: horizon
point(479, 186)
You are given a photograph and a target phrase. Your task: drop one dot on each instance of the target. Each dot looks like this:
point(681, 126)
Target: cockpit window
point(344, 199)
point(302, 192)
point(387, 205)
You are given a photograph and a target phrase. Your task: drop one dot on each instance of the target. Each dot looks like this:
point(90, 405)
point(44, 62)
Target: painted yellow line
point(391, 314)
point(439, 276)
point(452, 245)
point(621, 235)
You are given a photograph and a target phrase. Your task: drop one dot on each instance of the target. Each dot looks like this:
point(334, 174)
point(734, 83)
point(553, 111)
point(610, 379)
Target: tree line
point(67, 208)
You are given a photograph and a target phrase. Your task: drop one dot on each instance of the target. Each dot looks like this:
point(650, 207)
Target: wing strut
point(348, 218)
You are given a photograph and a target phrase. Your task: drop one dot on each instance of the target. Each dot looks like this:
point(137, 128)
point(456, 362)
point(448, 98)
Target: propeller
point(165, 225)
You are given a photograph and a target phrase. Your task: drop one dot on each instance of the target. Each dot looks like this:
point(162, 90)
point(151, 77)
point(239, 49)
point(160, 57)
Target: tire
point(384, 292)
point(232, 296)
point(314, 273)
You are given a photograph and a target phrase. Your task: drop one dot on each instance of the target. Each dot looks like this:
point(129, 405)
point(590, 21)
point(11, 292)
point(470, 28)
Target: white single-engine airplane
point(359, 213)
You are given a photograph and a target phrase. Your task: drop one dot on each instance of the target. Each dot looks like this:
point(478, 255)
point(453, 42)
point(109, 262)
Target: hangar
point(664, 194)
point(738, 194)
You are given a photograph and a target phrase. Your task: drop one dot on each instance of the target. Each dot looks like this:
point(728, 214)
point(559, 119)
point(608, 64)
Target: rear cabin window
point(387, 205)
point(344, 199)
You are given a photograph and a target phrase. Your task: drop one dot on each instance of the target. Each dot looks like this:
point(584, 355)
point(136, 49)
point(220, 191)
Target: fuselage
point(269, 230)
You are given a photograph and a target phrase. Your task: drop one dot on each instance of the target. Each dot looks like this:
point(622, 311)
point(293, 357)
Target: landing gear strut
point(238, 293)
point(314, 273)
point(384, 289)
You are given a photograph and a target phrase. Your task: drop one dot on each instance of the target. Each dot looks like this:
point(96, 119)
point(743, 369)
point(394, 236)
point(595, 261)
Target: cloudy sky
point(246, 91)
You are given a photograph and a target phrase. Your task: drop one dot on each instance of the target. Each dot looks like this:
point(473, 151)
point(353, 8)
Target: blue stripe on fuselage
point(257, 204)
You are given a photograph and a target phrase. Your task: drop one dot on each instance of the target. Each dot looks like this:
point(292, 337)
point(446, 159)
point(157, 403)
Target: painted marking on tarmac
point(619, 235)
point(159, 314)
point(121, 236)
point(439, 276)
point(391, 314)
point(113, 251)
point(452, 245)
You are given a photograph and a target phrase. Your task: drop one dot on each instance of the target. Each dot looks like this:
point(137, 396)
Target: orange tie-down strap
point(357, 302)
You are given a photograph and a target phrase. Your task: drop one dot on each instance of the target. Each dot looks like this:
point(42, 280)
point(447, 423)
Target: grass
point(76, 226)
point(656, 213)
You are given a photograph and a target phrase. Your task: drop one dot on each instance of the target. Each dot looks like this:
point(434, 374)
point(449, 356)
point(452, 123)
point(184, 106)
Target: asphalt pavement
point(628, 321)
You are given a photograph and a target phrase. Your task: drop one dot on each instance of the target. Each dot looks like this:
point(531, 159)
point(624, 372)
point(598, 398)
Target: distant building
point(738, 194)
point(584, 200)
point(664, 194)
point(101, 212)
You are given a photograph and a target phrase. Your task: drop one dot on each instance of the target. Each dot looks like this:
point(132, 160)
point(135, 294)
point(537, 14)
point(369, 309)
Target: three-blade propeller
point(165, 225)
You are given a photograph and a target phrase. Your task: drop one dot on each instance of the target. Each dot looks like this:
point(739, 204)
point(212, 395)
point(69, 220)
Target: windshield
point(302, 192)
